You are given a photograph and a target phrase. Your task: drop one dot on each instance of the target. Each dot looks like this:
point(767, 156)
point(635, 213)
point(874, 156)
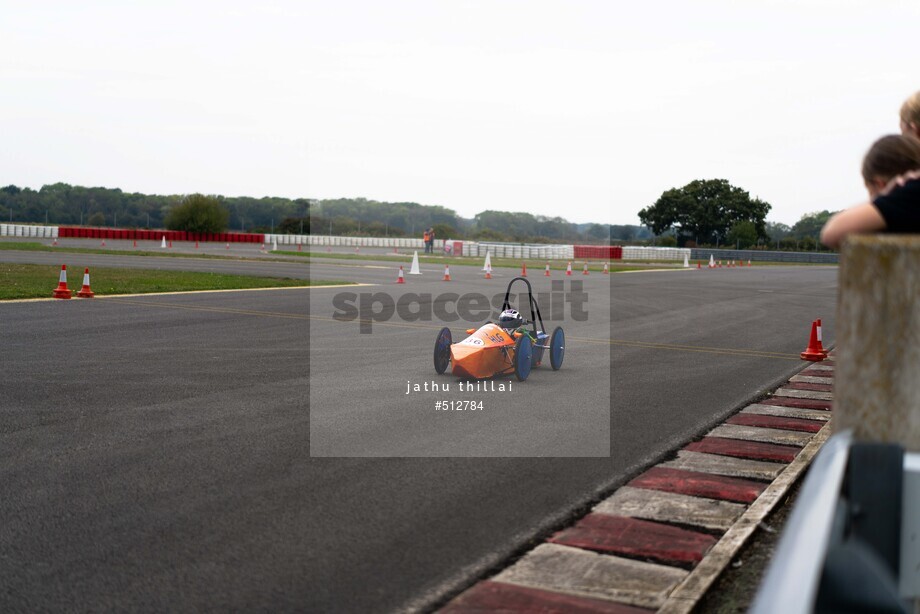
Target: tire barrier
point(449, 247)
point(23, 230)
point(655, 253)
point(79, 232)
point(598, 252)
point(332, 241)
point(517, 250)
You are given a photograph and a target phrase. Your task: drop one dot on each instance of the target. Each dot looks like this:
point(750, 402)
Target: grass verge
point(20, 281)
point(41, 247)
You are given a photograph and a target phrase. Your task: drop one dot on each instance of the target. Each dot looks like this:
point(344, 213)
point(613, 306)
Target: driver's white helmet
point(510, 319)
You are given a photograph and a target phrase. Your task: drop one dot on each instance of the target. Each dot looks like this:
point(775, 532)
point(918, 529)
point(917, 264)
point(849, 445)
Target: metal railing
point(850, 543)
point(699, 253)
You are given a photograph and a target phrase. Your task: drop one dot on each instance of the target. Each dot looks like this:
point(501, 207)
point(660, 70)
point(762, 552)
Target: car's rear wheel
point(557, 348)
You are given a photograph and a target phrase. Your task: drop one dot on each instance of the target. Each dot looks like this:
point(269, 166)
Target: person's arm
point(859, 219)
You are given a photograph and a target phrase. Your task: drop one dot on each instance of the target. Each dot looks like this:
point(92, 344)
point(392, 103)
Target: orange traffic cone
point(357, 249)
point(54, 243)
point(401, 279)
point(699, 264)
point(814, 352)
point(568, 269)
point(85, 291)
point(585, 271)
point(196, 244)
point(489, 273)
point(300, 247)
point(103, 243)
point(749, 263)
point(170, 245)
point(446, 273)
point(606, 270)
point(821, 339)
point(135, 244)
point(228, 246)
point(61, 291)
point(523, 269)
point(546, 273)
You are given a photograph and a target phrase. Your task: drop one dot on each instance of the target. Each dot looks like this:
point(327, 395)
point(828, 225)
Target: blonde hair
point(910, 110)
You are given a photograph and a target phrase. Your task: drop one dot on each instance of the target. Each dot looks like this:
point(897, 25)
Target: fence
point(700, 253)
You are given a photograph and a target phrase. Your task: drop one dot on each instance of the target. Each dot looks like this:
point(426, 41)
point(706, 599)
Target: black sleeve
point(900, 208)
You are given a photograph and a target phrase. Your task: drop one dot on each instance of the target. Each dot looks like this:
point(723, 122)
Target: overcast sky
point(588, 110)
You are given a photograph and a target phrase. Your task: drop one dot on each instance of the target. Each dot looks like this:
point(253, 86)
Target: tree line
point(702, 213)
point(63, 204)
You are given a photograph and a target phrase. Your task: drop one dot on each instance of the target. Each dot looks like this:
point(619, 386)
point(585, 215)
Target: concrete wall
point(877, 382)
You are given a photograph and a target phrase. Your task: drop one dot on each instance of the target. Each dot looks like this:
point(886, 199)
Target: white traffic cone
point(414, 270)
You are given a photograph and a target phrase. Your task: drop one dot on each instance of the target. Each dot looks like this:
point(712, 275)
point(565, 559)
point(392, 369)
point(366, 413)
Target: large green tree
point(742, 234)
point(705, 210)
point(198, 213)
point(810, 224)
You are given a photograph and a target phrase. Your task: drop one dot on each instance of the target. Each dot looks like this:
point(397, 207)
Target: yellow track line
point(620, 342)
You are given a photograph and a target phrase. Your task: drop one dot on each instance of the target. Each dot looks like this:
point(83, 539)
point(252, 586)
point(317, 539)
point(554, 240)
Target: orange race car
point(503, 348)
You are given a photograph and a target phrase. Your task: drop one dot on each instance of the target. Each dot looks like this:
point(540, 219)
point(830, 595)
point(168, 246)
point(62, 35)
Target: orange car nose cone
point(480, 355)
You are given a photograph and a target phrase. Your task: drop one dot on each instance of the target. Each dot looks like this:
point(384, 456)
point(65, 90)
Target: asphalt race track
point(155, 451)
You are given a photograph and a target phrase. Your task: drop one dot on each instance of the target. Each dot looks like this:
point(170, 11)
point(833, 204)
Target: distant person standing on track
point(425, 237)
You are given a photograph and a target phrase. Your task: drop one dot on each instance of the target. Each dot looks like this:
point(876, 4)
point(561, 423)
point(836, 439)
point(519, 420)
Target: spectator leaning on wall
point(891, 171)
